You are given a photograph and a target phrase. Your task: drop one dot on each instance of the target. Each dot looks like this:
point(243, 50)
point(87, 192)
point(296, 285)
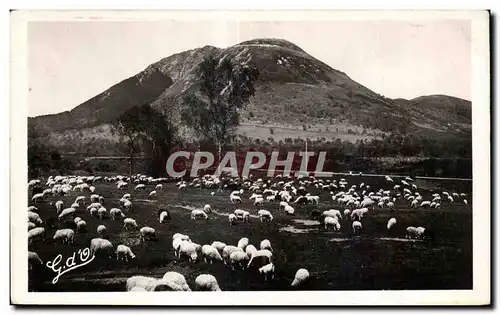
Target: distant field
point(374, 260)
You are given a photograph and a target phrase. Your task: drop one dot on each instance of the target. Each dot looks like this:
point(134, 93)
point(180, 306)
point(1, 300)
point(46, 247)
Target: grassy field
point(373, 260)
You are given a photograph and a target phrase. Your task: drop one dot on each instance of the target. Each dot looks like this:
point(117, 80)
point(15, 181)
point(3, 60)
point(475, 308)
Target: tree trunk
point(131, 164)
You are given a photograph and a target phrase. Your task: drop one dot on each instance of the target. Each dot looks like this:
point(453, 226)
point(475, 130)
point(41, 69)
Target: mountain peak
point(271, 42)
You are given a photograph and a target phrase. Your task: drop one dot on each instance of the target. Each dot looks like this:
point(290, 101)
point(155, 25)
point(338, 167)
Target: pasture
point(376, 259)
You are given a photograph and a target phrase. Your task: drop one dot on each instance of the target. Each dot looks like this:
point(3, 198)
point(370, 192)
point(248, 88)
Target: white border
point(480, 294)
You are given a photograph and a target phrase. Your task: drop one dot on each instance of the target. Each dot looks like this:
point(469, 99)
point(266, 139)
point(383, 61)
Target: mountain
point(296, 95)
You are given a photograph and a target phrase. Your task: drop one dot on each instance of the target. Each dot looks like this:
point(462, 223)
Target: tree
point(128, 126)
point(224, 89)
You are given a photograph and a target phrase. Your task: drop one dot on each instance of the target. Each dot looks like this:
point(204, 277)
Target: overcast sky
point(70, 62)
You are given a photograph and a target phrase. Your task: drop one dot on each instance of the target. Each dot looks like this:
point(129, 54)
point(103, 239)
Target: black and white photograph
point(328, 157)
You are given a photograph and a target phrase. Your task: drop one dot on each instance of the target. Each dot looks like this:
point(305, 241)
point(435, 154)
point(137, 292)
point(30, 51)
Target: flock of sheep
point(286, 193)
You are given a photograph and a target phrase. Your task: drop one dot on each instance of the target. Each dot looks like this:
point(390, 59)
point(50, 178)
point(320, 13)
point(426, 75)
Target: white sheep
point(152, 194)
point(266, 244)
point(81, 226)
point(31, 225)
point(68, 212)
point(34, 217)
point(289, 210)
point(183, 237)
point(235, 199)
point(32, 209)
point(207, 208)
point(265, 215)
point(414, 232)
point(206, 282)
point(243, 243)
point(124, 252)
point(333, 221)
point(249, 250)
point(66, 235)
point(356, 227)
point(146, 283)
point(219, 245)
point(37, 198)
point(177, 278)
point(159, 187)
point(263, 256)
point(391, 223)
point(77, 219)
point(238, 258)
point(101, 230)
point(59, 206)
point(116, 212)
point(36, 233)
point(198, 213)
point(147, 233)
point(242, 215)
point(347, 213)
point(33, 259)
point(140, 186)
point(267, 270)
point(101, 212)
point(301, 276)
point(129, 223)
point(101, 245)
point(227, 251)
point(232, 218)
point(210, 254)
point(164, 216)
point(127, 205)
point(188, 250)
point(258, 201)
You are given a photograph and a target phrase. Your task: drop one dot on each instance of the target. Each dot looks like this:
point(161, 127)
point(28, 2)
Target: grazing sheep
point(232, 218)
point(391, 223)
point(31, 225)
point(68, 212)
point(265, 216)
point(356, 227)
point(235, 199)
point(37, 197)
point(159, 187)
point(94, 198)
point(258, 201)
point(282, 205)
point(266, 244)
point(219, 245)
point(181, 236)
point(101, 230)
point(198, 213)
point(67, 236)
point(263, 256)
point(267, 270)
point(33, 259)
point(164, 216)
point(34, 217)
point(59, 206)
point(243, 243)
point(36, 233)
point(347, 212)
point(77, 219)
point(210, 254)
point(101, 199)
point(206, 282)
point(140, 186)
point(152, 194)
point(414, 232)
point(333, 222)
point(301, 276)
point(249, 250)
point(124, 252)
point(207, 208)
point(289, 210)
point(358, 213)
point(146, 283)
point(333, 213)
point(238, 258)
point(177, 278)
point(147, 233)
point(116, 212)
point(129, 223)
point(101, 245)
point(101, 212)
point(81, 226)
point(32, 209)
point(227, 251)
point(127, 205)
point(188, 250)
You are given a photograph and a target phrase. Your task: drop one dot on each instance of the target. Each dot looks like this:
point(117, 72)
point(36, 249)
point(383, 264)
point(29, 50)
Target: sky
point(70, 62)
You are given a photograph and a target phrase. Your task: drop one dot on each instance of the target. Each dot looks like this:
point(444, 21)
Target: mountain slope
point(294, 91)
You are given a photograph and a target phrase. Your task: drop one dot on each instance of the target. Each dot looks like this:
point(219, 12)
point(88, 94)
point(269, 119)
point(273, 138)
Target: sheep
point(358, 213)
point(101, 212)
point(37, 197)
point(282, 205)
point(124, 252)
point(206, 282)
point(116, 212)
point(159, 187)
point(147, 233)
point(68, 212)
point(242, 214)
point(235, 199)
point(189, 250)
point(356, 227)
point(289, 210)
point(227, 251)
point(129, 223)
point(267, 270)
point(34, 217)
point(36, 233)
point(152, 194)
point(32, 209)
point(176, 278)
point(127, 205)
point(181, 236)
point(219, 245)
point(164, 215)
point(347, 212)
point(81, 226)
point(146, 283)
point(266, 244)
point(249, 250)
point(414, 232)
point(332, 221)
point(238, 258)
point(140, 186)
point(333, 213)
point(263, 256)
point(101, 230)
point(301, 276)
point(243, 243)
point(77, 219)
point(210, 253)
point(31, 225)
point(66, 235)
point(127, 196)
point(258, 201)
point(94, 198)
point(33, 259)
point(232, 218)
point(265, 215)
point(59, 206)
point(391, 223)
point(198, 213)
point(101, 245)
point(207, 208)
